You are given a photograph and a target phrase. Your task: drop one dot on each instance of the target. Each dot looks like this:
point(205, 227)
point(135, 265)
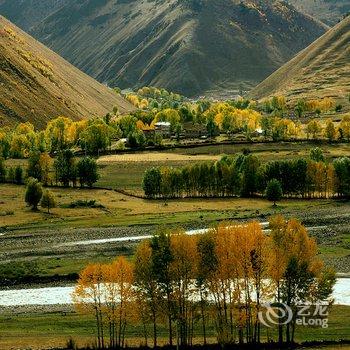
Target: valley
point(174, 174)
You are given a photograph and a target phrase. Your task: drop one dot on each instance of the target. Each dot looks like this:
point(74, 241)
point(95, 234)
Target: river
point(62, 295)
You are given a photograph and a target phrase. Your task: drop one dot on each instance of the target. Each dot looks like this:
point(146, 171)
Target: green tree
point(249, 170)
point(338, 107)
point(211, 127)
point(127, 124)
point(330, 131)
point(48, 201)
point(34, 169)
point(96, 137)
point(300, 107)
point(314, 128)
point(2, 170)
point(87, 171)
point(18, 175)
point(137, 139)
point(273, 191)
point(11, 175)
point(152, 182)
point(65, 168)
point(162, 258)
point(342, 170)
point(34, 192)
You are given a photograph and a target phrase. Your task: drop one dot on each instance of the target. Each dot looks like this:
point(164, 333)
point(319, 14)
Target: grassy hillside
point(328, 11)
point(322, 69)
point(37, 85)
point(192, 46)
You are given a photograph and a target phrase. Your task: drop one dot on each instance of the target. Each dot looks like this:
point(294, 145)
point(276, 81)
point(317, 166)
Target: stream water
point(62, 295)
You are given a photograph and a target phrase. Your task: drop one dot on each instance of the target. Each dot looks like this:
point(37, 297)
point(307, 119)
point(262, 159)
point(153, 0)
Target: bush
point(18, 271)
point(84, 204)
point(316, 154)
point(338, 108)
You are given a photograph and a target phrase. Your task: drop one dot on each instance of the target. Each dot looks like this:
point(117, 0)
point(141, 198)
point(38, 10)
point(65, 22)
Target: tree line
point(205, 286)
point(244, 175)
point(64, 170)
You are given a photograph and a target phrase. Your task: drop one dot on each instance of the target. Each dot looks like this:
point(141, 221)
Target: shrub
point(338, 108)
point(84, 204)
point(316, 154)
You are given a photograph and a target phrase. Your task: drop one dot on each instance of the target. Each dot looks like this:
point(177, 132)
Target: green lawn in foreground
point(58, 326)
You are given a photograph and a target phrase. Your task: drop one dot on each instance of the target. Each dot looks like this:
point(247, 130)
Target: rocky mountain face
point(27, 13)
point(189, 46)
point(328, 11)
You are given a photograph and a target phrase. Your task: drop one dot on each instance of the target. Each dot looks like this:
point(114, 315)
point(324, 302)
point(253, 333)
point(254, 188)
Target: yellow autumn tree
point(184, 250)
point(118, 295)
point(88, 298)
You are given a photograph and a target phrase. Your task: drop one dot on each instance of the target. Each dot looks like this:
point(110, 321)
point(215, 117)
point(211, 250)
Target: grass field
point(120, 209)
point(123, 213)
point(42, 330)
point(125, 171)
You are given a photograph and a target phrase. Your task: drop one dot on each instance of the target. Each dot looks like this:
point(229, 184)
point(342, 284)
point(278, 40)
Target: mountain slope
point(188, 46)
point(37, 85)
point(327, 11)
point(322, 69)
point(26, 13)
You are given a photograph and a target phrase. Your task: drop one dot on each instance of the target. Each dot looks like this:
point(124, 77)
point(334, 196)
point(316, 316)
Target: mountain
point(327, 11)
point(188, 46)
point(26, 13)
point(321, 70)
point(36, 84)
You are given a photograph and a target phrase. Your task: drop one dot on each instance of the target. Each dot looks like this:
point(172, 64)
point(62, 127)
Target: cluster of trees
point(205, 285)
point(62, 133)
point(35, 194)
point(11, 174)
point(68, 170)
point(244, 175)
point(277, 105)
point(64, 170)
point(231, 117)
point(154, 98)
